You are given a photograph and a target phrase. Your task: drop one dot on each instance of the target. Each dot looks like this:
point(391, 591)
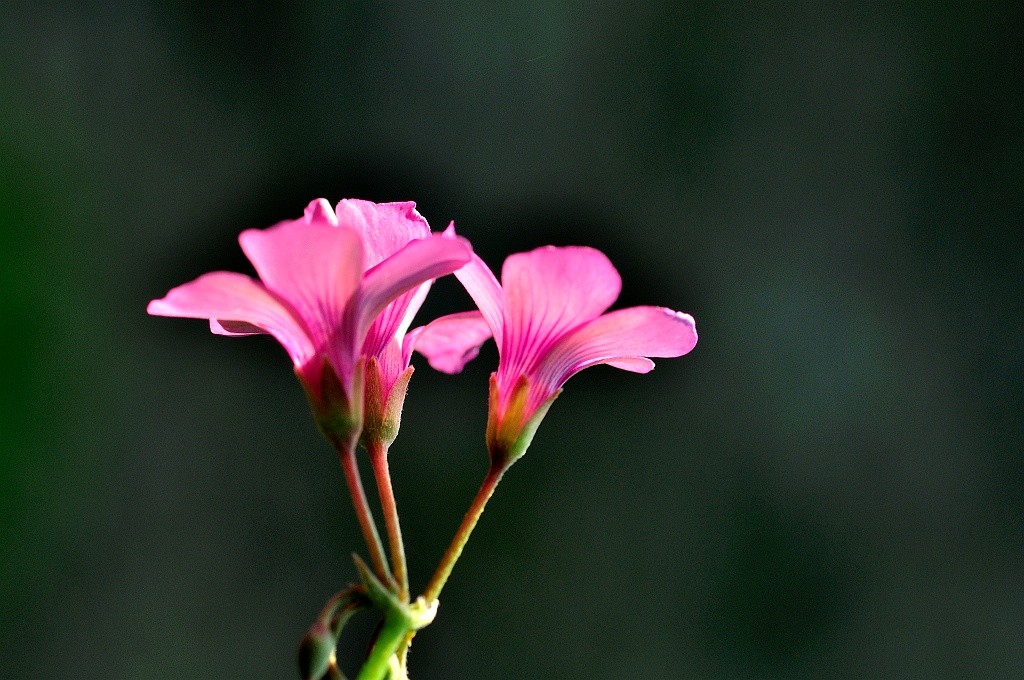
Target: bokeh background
point(830, 485)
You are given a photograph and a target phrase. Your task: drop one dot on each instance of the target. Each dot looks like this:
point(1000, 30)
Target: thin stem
point(377, 665)
point(379, 459)
point(451, 556)
point(347, 454)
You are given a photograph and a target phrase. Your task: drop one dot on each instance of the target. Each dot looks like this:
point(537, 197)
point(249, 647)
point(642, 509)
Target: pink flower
point(547, 318)
point(334, 287)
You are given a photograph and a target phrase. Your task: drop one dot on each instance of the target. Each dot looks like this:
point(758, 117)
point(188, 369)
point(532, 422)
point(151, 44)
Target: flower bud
point(315, 651)
point(317, 648)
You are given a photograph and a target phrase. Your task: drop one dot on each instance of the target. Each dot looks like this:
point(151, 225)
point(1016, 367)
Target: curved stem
point(379, 459)
point(347, 454)
point(451, 556)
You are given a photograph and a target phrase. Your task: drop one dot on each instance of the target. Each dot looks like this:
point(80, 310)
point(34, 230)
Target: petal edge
point(450, 342)
point(232, 297)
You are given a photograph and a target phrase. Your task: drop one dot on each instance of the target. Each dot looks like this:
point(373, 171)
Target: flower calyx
point(510, 425)
point(338, 412)
point(382, 405)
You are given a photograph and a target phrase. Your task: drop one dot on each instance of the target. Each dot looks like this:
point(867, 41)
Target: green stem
point(451, 556)
point(347, 454)
point(379, 459)
point(391, 635)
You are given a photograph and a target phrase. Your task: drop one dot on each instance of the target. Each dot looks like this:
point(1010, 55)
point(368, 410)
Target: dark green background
point(830, 485)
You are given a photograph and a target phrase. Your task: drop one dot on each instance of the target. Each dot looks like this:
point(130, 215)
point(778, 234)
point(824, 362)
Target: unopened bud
point(315, 651)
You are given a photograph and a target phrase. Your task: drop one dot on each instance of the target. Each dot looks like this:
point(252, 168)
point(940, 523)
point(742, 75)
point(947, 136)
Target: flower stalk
point(476, 508)
point(347, 454)
point(379, 459)
point(378, 663)
point(401, 621)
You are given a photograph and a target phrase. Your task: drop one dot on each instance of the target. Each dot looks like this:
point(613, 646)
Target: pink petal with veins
point(229, 298)
point(419, 261)
point(317, 268)
point(486, 292)
point(548, 292)
point(385, 228)
point(623, 338)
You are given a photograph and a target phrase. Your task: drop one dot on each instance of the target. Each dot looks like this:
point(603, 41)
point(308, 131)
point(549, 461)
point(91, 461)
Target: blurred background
point(830, 485)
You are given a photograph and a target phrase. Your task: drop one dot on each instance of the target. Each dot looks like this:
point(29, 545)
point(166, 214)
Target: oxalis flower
point(337, 289)
point(548, 319)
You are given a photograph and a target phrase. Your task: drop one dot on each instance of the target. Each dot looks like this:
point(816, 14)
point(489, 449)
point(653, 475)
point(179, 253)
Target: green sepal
point(509, 437)
point(339, 416)
point(413, 616)
point(379, 594)
point(518, 448)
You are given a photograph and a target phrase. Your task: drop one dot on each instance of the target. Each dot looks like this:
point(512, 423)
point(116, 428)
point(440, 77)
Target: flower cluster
point(339, 287)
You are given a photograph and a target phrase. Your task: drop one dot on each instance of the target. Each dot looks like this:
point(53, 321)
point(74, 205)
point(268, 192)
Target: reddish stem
point(381, 472)
point(451, 556)
point(347, 454)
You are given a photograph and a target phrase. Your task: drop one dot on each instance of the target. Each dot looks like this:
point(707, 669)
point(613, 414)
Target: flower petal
point(227, 298)
point(548, 292)
point(632, 364)
point(319, 210)
point(623, 339)
point(385, 228)
point(394, 320)
point(316, 267)
point(478, 280)
point(411, 302)
point(234, 329)
point(450, 342)
point(391, 364)
point(389, 227)
point(419, 261)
